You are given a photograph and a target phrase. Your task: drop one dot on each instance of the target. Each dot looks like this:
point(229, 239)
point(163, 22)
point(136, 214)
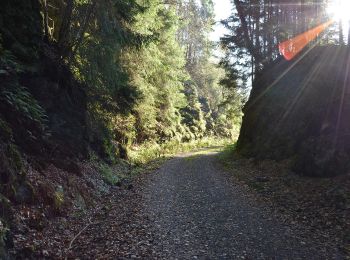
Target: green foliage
point(58, 198)
point(192, 114)
point(216, 99)
point(24, 103)
point(9, 61)
point(147, 69)
point(98, 59)
point(108, 174)
point(149, 151)
point(157, 71)
point(227, 153)
point(17, 99)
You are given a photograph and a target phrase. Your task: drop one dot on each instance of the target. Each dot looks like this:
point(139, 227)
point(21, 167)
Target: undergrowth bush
point(15, 98)
point(108, 175)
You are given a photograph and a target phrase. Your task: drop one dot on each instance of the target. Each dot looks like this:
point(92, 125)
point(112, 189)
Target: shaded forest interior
point(90, 88)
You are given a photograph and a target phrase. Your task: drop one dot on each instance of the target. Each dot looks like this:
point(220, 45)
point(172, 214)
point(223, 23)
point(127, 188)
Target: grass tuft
point(227, 154)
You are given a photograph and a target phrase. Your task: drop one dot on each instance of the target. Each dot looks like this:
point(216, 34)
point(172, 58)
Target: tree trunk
point(46, 20)
point(64, 32)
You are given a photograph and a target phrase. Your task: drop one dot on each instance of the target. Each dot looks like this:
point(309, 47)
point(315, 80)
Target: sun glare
point(339, 10)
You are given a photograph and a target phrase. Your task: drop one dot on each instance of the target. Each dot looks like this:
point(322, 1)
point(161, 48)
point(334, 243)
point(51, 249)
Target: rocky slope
point(44, 125)
point(299, 110)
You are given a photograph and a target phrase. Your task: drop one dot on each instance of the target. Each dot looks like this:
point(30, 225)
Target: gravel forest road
point(190, 208)
point(198, 213)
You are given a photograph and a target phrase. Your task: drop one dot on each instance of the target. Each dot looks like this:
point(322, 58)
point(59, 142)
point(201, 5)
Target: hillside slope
point(43, 122)
point(300, 110)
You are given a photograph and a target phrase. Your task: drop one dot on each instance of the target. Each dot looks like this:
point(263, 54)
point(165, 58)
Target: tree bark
point(46, 20)
point(64, 32)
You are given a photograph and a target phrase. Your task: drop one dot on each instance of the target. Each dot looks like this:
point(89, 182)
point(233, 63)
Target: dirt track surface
point(190, 209)
point(199, 213)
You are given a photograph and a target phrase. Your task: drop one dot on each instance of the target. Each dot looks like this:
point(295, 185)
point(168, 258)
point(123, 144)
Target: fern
point(7, 59)
point(24, 103)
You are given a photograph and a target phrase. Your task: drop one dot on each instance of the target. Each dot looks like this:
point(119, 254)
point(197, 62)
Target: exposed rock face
point(300, 110)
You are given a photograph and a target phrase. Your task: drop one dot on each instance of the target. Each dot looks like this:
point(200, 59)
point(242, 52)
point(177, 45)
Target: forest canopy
point(146, 66)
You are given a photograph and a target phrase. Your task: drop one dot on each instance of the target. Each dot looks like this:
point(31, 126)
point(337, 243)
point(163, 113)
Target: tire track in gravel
point(198, 213)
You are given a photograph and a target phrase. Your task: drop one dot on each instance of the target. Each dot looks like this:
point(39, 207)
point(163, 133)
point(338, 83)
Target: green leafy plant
point(23, 102)
point(108, 175)
point(58, 198)
point(8, 60)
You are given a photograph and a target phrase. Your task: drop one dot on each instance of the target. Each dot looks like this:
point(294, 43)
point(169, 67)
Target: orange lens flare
point(289, 49)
